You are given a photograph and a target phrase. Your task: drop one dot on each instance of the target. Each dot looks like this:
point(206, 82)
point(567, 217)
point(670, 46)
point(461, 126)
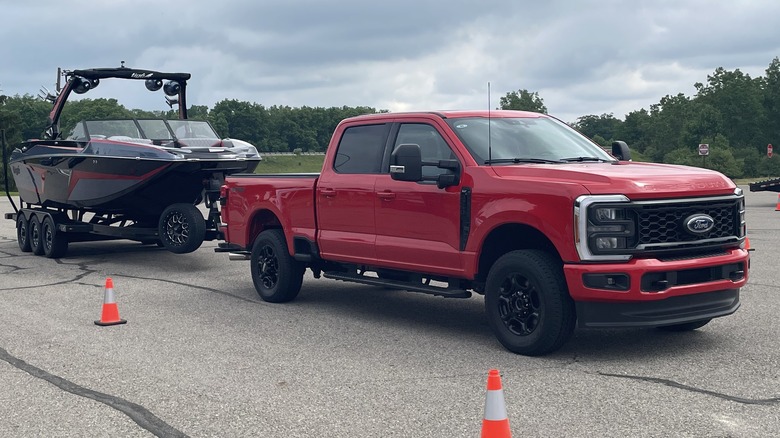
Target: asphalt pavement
point(201, 355)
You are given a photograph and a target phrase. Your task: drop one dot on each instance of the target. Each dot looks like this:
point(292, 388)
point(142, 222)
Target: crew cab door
point(418, 224)
point(345, 195)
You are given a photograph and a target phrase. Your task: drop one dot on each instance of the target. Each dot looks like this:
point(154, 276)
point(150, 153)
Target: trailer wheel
point(182, 228)
point(685, 327)
point(55, 244)
point(23, 232)
point(36, 235)
point(276, 275)
point(527, 303)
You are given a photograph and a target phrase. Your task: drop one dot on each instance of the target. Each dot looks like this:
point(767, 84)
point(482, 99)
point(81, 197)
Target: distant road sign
point(704, 149)
point(769, 150)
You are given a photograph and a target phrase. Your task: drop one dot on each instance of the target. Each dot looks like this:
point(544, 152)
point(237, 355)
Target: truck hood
point(634, 179)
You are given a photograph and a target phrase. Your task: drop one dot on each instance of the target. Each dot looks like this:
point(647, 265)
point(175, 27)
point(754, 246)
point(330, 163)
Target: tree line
point(735, 114)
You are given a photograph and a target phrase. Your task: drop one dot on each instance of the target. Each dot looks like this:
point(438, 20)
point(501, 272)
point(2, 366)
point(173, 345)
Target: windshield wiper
point(518, 160)
point(583, 159)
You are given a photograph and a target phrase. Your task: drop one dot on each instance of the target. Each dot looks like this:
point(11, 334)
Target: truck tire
point(36, 235)
point(276, 275)
point(182, 228)
point(55, 244)
point(528, 304)
point(23, 232)
point(685, 327)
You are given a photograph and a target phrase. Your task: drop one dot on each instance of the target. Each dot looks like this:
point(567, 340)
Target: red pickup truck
point(516, 206)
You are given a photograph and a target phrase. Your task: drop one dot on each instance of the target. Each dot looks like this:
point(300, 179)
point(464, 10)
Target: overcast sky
point(582, 57)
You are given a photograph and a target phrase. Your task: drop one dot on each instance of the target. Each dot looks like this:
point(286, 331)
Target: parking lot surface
point(201, 355)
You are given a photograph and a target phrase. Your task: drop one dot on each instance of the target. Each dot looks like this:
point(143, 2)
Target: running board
point(432, 290)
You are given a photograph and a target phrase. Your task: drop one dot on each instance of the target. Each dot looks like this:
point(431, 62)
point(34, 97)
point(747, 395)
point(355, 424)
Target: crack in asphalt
point(72, 280)
point(140, 415)
point(194, 286)
point(13, 268)
point(747, 401)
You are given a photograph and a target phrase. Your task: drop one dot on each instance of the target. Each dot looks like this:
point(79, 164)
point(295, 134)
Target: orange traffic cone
point(496, 423)
point(777, 208)
point(110, 315)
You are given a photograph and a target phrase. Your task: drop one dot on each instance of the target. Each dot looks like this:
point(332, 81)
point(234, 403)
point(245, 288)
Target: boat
point(139, 179)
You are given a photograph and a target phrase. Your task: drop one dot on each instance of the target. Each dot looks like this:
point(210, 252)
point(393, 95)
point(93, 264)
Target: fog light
point(606, 242)
point(614, 282)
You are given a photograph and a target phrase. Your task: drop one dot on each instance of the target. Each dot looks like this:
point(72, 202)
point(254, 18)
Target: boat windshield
point(192, 129)
point(147, 129)
point(525, 140)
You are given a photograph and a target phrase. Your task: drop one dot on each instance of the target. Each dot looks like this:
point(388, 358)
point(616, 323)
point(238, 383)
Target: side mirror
point(448, 179)
point(620, 151)
point(406, 163)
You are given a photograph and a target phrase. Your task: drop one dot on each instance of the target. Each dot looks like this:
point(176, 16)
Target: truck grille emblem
point(699, 223)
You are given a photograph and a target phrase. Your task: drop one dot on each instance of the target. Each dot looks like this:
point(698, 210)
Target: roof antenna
point(490, 149)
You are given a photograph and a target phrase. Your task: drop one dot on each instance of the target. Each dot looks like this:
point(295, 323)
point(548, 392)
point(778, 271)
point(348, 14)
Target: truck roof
point(451, 114)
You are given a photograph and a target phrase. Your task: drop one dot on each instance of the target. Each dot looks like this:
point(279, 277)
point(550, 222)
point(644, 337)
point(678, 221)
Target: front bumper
point(669, 311)
point(653, 292)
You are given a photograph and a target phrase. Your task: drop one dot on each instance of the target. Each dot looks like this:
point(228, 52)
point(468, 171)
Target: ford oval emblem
point(699, 223)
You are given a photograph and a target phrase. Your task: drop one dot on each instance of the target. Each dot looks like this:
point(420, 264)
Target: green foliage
point(523, 100)
point(90, 109)
point(720, 158)
point(291, 164)
point(600, 140)
point(605, 126)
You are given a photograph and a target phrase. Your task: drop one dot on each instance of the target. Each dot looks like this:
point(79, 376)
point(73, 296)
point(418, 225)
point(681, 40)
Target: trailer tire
point(23, 232)
point(55, 243)
point(685, 327)
point(276, 275)
point(36, 235)
point(528, 304)
point(182, 228)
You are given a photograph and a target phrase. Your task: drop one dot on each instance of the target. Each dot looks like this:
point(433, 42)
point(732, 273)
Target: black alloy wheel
point(276, 275)
point(23, 232)
point(519, 304)
point(55, 244)
point(35, 235)
point(527, 302)
point(182, 228)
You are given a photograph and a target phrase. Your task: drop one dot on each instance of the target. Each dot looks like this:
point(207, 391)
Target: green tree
point(523, 100)
point(605, 126)
point(27, 117)
point(738, 98)
point(667, 120)
point(242, 120)
point(771, 102)
point(90, 109)
point(635, 130)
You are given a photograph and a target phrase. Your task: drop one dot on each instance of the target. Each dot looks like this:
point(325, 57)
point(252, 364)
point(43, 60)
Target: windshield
point(192, 129)
point(151, 129)
point(525, 140)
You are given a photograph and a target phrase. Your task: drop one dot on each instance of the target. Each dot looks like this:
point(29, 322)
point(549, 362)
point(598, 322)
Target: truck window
point(432, 145)
point(361, 149)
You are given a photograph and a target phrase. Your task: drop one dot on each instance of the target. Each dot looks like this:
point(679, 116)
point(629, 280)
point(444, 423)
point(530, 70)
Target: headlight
point(742, 232)
point(604, 228)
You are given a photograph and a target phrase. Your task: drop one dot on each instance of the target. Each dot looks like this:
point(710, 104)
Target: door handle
point(386, 196)
point(328, 193)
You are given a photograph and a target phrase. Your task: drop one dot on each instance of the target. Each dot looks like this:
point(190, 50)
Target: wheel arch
point(510, 237)
point(261, 220)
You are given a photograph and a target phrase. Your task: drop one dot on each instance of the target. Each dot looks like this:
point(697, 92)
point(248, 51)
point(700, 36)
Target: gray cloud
point(585, 57)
